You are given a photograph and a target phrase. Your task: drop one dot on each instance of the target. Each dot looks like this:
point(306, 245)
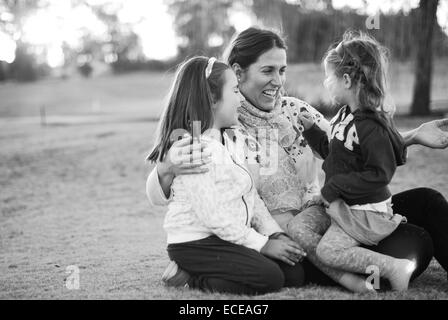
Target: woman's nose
point(276, 80)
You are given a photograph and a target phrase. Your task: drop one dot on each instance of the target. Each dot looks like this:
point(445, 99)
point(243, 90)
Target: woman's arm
point(432, 134)
point(177, 161)
point(262, 220)
point(158, 189)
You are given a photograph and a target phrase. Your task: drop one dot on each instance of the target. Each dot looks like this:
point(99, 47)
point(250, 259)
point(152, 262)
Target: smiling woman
point(260, 67)
point(268, 75)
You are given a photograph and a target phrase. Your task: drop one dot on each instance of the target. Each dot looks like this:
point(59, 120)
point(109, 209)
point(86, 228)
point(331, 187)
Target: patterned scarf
point(252, 117)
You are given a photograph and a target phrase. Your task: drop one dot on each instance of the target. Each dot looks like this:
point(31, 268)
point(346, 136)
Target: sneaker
point(175, 276)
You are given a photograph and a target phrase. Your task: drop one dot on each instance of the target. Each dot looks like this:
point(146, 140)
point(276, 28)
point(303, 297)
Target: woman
point(220, 235)
point(258, 58)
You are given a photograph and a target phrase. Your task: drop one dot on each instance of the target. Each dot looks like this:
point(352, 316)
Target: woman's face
point(261, 82)
point(226, 108)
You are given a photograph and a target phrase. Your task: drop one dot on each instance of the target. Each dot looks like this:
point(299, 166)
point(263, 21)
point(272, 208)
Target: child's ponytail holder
point(208, 70)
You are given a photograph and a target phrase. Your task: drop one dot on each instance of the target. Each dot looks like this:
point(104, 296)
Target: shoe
point(175, 276)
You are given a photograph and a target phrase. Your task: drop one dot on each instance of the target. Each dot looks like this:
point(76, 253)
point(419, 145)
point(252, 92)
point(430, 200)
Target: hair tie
point(208, 70)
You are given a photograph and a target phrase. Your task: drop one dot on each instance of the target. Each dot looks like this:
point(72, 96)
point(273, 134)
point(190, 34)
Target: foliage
point(203, 25)
point(309, 32)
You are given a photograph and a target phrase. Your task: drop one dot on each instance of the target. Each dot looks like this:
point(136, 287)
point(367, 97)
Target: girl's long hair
point(190, 99)
point(365, 60)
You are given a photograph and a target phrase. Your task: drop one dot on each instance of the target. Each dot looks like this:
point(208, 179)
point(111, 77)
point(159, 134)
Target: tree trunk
point(422, 87)
point(269, 13)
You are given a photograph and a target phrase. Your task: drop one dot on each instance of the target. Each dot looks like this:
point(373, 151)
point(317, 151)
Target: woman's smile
point(262, 81)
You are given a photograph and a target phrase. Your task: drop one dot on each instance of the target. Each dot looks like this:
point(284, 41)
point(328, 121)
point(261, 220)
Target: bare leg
point(307, 229)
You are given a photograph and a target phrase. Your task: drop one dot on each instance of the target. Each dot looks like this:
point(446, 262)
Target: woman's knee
point(294, 275)
point(411, 242)
point(270, 277)
point(431, 197)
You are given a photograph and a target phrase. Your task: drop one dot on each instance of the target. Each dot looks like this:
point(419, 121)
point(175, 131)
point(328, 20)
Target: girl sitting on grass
point(360, 160)
point(221, 236)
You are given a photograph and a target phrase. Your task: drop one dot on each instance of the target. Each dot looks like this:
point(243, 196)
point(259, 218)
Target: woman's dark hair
point(365, 60)
point(250, 44)
point(190, 99)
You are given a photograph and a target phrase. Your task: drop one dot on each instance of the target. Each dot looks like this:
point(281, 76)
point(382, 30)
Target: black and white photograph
point(223, 153)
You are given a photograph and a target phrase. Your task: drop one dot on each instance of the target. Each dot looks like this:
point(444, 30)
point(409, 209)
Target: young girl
point(220, 234)
point(360, 159)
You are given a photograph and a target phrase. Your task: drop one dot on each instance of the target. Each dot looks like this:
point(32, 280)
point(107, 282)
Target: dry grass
point(73, 194)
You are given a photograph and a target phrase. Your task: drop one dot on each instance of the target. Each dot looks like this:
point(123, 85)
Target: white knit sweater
point(222, 202)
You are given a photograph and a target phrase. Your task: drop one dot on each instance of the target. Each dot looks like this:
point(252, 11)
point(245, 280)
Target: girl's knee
point(299, 231)
point(324, 252)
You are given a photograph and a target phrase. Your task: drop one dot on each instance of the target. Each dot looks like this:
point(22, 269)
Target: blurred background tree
point(102, 38)
point(202, 25)
point(13, 14)
point(426, 21)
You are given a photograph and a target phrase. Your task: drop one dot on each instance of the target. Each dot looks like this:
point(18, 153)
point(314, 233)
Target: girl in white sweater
point(220, 234)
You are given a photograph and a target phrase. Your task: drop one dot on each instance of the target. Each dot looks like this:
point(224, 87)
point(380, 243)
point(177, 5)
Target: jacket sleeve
point(262, 220)
point(205, 195)
point(379, 167)
point(154, 191)
point(320, 131)
point(318, 140)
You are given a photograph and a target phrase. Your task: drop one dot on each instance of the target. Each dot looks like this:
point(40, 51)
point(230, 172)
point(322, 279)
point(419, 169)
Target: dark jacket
point(360, 157)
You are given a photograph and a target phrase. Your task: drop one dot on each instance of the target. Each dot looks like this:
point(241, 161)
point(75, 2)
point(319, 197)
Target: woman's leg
point(307, 228)
point(428, 209)
point(219, 266)
point(339, 250)
point(408, 242)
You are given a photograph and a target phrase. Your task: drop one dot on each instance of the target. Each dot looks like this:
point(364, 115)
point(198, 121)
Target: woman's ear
point(238, 71)
point(347, 81)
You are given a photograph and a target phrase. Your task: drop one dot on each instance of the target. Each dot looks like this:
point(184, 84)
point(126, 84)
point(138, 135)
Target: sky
point(153, 23)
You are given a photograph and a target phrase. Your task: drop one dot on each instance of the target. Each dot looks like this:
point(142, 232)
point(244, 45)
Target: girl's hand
point(319, 198)
point(184, 158)
point(306, 119)
point(325, 202)
point(433, 134)
point(284, 250)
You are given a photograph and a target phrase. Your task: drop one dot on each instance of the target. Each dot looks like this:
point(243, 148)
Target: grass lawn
point(73, 193)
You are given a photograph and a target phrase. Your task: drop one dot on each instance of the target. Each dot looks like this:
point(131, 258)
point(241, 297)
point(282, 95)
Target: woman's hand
point(433, 134)
point(182, 158)
point(306, 119)
point(283, 249)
